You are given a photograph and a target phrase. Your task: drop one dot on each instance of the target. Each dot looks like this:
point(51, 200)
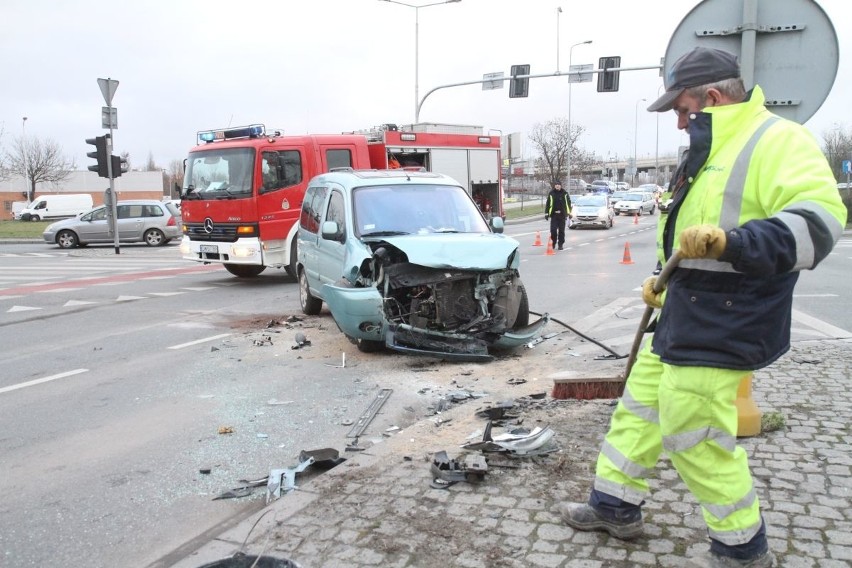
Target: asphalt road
point(120, 369)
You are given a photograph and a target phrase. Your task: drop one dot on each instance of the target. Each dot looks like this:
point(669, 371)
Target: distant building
point(131, 185)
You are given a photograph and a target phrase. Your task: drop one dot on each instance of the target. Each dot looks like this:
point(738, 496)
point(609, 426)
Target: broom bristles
point(587, 389)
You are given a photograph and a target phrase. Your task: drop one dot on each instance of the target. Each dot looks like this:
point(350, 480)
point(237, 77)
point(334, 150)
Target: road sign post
point(109, 119)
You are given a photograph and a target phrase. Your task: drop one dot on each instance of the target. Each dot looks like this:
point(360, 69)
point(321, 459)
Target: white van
point(57, 206)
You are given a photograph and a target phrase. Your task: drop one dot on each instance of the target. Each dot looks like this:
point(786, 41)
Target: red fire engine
point(243, 187)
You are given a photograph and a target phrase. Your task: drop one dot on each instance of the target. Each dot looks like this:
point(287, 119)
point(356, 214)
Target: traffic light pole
point(113, 199)
point(510, 78)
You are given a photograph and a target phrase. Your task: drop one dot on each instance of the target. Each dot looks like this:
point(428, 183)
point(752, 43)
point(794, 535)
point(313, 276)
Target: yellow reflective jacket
point(766, 182)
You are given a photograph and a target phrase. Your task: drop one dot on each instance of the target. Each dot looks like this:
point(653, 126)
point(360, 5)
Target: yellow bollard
point(748, 414)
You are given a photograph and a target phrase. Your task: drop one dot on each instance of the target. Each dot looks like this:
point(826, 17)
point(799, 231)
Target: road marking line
point(820, 325)
point(42, 380)
point(197, 341)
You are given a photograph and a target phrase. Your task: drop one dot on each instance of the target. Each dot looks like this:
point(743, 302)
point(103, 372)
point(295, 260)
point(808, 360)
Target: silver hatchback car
point(143, 220)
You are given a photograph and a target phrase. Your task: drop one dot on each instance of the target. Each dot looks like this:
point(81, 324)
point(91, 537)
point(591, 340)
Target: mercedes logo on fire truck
point(208, 225)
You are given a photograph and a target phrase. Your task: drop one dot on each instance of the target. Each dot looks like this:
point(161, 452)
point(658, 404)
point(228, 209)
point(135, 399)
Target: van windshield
point(219, 174)
point(415, 209)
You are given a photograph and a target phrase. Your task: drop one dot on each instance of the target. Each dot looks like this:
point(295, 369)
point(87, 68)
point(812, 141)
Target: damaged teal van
point(405, 260)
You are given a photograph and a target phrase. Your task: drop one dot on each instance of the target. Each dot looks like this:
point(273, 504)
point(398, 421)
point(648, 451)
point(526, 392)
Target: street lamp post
point(635, 139)
point(570, 137)
point(24, 156)
point(558, 11)
point(417, 43)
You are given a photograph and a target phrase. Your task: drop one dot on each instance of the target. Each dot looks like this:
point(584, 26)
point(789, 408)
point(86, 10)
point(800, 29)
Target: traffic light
point(100, 154)
point(608, 80)
point(519, 87)
point(119, 166)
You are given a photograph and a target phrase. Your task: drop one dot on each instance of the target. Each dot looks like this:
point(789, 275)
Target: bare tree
point(553, 141)
point(837, 145)
point(151, 165)
point(173, 178)
point(38, 161)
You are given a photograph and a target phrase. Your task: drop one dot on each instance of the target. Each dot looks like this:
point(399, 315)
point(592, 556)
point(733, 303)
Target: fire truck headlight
point(243, 251)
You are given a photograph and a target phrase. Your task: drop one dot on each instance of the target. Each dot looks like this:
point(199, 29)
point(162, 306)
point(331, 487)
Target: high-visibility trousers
point(690, 413)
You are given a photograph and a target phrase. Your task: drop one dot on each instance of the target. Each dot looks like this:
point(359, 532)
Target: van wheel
point(310, 306)
point(66, 239)
point(35, 218)
point(244, 270)
point(154, 238)
point(523, 317)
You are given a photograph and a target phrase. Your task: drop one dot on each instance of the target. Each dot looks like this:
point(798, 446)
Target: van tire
point(311, 306)
point(67, 239)
point(34, 218)
point(244, 270)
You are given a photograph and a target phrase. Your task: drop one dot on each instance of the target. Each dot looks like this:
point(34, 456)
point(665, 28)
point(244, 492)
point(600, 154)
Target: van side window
point(41, 205)
point(311, 207)
point(337, 213)
point(341, 158)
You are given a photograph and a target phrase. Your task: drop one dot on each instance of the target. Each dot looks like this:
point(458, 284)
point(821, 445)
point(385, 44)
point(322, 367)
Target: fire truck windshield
point(225, 173)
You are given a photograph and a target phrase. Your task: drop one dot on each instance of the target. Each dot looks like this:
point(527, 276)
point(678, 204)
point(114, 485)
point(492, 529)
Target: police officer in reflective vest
point(754, 203)
point(557, 209)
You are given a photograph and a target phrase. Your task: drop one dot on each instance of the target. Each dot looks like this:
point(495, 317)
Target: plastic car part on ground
point(519, 442)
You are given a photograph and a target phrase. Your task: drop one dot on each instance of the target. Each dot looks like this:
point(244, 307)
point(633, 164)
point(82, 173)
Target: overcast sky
point(326, 66)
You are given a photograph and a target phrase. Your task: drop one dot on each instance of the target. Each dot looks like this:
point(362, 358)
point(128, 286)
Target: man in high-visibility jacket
point(754, 202)
point(557, 209)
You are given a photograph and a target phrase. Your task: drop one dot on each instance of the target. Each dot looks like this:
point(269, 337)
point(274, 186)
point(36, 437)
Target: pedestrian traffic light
point(519, 87)
point(119, 166)
point(100, 154)
point(608, 80)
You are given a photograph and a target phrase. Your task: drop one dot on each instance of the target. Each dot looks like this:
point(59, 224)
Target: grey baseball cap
point(700, 66)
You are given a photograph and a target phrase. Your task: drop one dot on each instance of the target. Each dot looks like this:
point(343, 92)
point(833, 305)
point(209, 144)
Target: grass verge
point(22, 229)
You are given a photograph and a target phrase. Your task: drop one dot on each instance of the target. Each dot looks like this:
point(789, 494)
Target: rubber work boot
point(584, 517)
point(709, 560)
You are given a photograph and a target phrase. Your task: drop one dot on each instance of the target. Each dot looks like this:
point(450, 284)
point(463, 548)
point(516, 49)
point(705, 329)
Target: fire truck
point(243, 187)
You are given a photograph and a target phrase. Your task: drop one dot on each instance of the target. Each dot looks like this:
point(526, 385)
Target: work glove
point(702, 241)
point(652, 299)
point(547, 217)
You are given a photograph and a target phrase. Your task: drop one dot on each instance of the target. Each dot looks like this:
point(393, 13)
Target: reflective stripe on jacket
point(766, 182)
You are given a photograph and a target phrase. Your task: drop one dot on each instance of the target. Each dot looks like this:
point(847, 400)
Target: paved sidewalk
point(378, 509)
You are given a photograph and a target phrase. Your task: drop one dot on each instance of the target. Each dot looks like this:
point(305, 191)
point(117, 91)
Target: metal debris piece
point(294, 319)
point(342, 363)
point(272, 323)
point(447, 471)
point(516, 381)
point(498, 410)
point(538, 340)
point(226, 429)
point(370, 413)
point(324, 458)
point(276, 402)
point(236, 493)
point(284, 480)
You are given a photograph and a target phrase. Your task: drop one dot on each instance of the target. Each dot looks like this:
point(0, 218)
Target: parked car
point(622, 185)
point(405, 260)
point(602, 185)
point(592, 210)
point(616, 196)
point(636, 203)
point(143, 220)
point(665, 202)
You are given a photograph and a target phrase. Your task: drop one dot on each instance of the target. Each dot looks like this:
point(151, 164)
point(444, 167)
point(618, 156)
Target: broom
point(585, 388)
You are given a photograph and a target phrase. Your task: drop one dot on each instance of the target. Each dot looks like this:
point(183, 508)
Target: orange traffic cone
point(636, 219)
point(626, 259)
point(537, 242)
point(549, 251)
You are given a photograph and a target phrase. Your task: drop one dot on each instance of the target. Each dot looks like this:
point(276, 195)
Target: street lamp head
point(559, 9)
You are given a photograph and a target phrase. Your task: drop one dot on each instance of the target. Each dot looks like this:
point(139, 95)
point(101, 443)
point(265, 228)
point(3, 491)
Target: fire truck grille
point(220, 232)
